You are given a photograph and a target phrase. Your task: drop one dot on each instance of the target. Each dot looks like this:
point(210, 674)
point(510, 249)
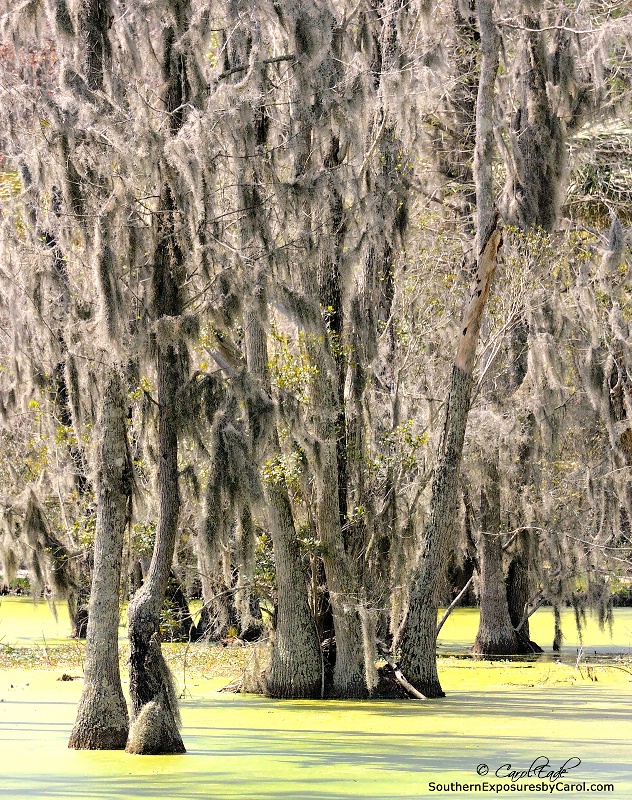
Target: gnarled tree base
point(511, 645)
point(154, 732)
point(154, 729)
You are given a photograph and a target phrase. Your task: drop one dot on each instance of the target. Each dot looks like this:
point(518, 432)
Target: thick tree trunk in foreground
point(349, 672)
point(156, 717)
point(496, 635)
point(520, 593)
point(418, 636)
point(102, 719)
point(296, 666)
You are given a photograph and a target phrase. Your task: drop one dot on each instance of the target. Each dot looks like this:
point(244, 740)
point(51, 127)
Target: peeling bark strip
point(102, 721)
point(418, 635)
point(470, 327)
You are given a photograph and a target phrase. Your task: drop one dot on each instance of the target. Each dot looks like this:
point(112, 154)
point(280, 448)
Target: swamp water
point(256, 749)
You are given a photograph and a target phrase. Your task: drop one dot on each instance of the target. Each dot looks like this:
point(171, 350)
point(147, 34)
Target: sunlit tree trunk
point(349, 679)
point(102, 718)
point(156, 715)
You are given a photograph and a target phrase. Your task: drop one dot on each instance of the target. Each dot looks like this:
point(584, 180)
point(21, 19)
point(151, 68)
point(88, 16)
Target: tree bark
point(484, 145)
point(519, 592)
point(539, 155)
point(296, 669)
point(93, 24)
point(349, 678)
point(349, 672)
point(154, 705)
point(418, 634)
point(155, 713)
point(156, 717)
point(296, 664)
point(102, 719)
point(496, 634)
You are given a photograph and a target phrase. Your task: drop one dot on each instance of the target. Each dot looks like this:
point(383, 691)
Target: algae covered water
point(249, 747)
point(500, 721)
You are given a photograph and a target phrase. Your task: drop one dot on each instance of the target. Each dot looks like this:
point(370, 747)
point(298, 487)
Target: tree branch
point(243, 67)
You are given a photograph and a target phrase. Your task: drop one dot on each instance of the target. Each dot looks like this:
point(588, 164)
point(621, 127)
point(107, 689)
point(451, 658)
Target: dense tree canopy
point(241, 355)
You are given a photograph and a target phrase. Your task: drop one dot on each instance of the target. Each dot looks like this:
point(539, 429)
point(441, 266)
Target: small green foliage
point(145, 386)
point(212, 56)
point(290, 365)
point(65, 434)
point(400, 448)
point(286, 470)
point(37, 459)
point(265, 571)
point(85, 523)
point(142, 538)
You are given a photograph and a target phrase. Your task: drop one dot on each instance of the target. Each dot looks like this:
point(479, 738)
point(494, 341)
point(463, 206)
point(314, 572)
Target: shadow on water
point(183, 787)
point(570, 702)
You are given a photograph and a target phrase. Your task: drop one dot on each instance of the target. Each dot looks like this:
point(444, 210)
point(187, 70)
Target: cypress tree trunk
point(349, 672)
point(328, 417)
point(154, 705)
point(102, 719)
point(496, 634)
point(296, 665)
point(418, 634)
point(520, 594)
point(533, 194)
point(350, 677)
point(155, 712)
point(156, 717)
point(94, 44)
